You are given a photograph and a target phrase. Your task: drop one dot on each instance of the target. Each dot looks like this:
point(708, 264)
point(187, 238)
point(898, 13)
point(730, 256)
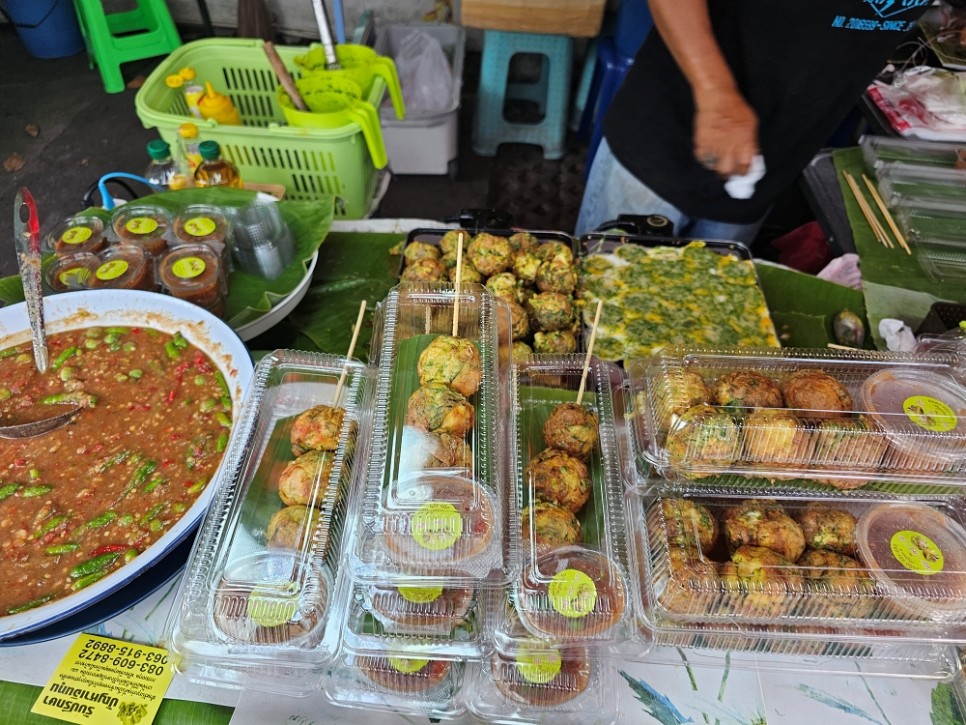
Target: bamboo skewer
point(590, 351)
point(352, 347)
point(459, 273)
point(867, 212)
point(885, 213)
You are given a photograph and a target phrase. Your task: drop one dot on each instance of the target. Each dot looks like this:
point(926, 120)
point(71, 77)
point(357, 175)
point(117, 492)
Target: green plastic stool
point(116, 38)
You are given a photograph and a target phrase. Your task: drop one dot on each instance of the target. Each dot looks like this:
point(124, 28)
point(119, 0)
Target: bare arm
point(725, 126)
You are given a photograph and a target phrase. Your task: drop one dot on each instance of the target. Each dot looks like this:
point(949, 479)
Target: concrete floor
point(83, 133)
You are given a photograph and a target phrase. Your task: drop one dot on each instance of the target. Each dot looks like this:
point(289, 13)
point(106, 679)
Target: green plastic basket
point(309, 162)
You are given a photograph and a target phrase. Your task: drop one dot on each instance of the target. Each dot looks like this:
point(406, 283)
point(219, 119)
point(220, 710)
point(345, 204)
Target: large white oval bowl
point(130, 308)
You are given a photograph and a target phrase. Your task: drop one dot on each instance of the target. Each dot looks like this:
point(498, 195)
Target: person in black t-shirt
point(724, 81)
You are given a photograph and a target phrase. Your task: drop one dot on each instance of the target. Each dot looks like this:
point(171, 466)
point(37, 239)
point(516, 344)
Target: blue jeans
point(612, 190)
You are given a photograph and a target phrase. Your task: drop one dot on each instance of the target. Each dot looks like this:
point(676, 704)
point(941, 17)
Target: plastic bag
point(424, 73)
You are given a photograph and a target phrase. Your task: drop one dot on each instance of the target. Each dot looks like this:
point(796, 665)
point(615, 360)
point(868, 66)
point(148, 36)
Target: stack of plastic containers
point(258, 595)
point(555, 633)
point(809, 504)
point(436, 522)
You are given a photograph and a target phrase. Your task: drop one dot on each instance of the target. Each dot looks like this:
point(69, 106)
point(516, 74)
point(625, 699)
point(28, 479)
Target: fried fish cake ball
point(742, 389)
point(449, 242)
point(519, 321)
point(490, 254)
point(452, 361)
point(292, 527)
point(680, 392)
point(449, 451)
point(692, 582)
point(504, 287)
point(468, 274)
point(827, 527)
point(556, 277)
point(703, 435)
point(551, 311)
point(836, 586)
point(317, 429)
point(424, 270)
point(572, 428)
point(776, 436)
point(763, 522)
point(415, 251)
point(762, 582)
point(521, 351)
point(816, 394)
point(551, 524)
point(554, 252)
point(688, 524)
point(555, 342)
point(560, 478)
point(525, 266)
point(851, 444)
point(303, 480)
point(523, 241)
point(436, 408)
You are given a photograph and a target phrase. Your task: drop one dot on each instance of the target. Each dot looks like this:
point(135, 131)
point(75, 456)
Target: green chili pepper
point(226, 402)
point(222, 383)
point(118, 330)
point(207, 405)
point(66, 373)
point(50, 524)
point(76, 397)
point(34, 491)
point(32, 604)
point(179, 341)
point(194, 488)
point(136, 373)
point(221, 443)
point(130, 555)
point(125, 520)
point(64, 357)
point(57, 549)
point(10, 352)
point(152, 484)
point(223, 420)
point(118, 457)
point(95, 564)
point(9, 490)
point(172, 350)
point(156, 525)
point(86, 581)
point(101, 520)
point(142, 472)
point(150, 514)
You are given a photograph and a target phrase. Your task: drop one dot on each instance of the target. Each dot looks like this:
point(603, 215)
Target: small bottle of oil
point(215, 170)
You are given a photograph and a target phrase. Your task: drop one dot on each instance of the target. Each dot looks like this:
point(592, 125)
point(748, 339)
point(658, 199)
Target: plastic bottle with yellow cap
point(189, 155)
point(219, 107)
point(193, 90)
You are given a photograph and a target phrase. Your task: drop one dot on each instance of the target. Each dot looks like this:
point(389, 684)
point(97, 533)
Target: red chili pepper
point(20, 462)
point(166, 462)
point(110, 549)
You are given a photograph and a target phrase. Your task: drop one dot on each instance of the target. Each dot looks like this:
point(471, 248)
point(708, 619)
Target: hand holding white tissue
point(742, 187)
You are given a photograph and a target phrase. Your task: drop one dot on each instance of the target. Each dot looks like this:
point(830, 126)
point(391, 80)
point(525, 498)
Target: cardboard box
point(576, 18)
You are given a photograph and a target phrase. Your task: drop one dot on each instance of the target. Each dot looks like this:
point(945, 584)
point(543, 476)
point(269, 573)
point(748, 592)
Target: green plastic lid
point(209, 150)
point(159, 149)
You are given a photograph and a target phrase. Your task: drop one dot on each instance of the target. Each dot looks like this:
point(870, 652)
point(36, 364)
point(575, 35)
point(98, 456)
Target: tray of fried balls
point(431, 511)
point(259, 584)
point(534, 272)
point(572, 587)
point(855, 570)
point(524, 678)
point(824, 419)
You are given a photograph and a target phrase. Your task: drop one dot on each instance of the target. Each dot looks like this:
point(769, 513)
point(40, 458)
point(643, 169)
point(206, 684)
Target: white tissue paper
point(742, 187)
point(897, 335)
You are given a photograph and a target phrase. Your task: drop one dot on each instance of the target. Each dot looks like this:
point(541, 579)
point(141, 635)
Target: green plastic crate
point(308, 162)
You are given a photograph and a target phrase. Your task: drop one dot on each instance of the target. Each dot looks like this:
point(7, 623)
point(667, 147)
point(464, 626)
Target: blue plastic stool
point(550, 93)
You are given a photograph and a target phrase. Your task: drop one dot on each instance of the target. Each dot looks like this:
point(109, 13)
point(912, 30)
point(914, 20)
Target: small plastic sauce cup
point(143, 225)
point(77, 234)
point(124, 267)
point(71, 271)
point(195, 273)
point(203, 224)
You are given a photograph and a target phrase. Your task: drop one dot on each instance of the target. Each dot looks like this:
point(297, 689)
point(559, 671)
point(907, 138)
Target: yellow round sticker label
point(572, 593)
point(141, 225)
point(76, 235)
point(929, 413)
point(271, 605)
point(916, 552)
point(199, 226)
point(111, 270)
point(539, 667)
point(75, 277)
point(188, 267)
point(437, 525)
point(407, 665)
point(420, 595)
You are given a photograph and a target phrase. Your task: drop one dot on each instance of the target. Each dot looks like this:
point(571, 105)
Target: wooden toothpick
point(459, 274)
point(590, 351)
point(348, 355)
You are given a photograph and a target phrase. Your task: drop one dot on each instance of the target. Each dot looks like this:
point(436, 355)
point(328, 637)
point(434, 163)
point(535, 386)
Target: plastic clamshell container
point(77, 234)
point(124, 266)
point(573, 583)
point(936, 222)
point(539, 263)
point(195, 273)
point(710, 294)
point(143, 225)
point(71, 271)
point(800, 572)
point(897, 181)
point(255, 601)
point(881, 150)
point(397, 683)
point(432, 509)
point(797, 419)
